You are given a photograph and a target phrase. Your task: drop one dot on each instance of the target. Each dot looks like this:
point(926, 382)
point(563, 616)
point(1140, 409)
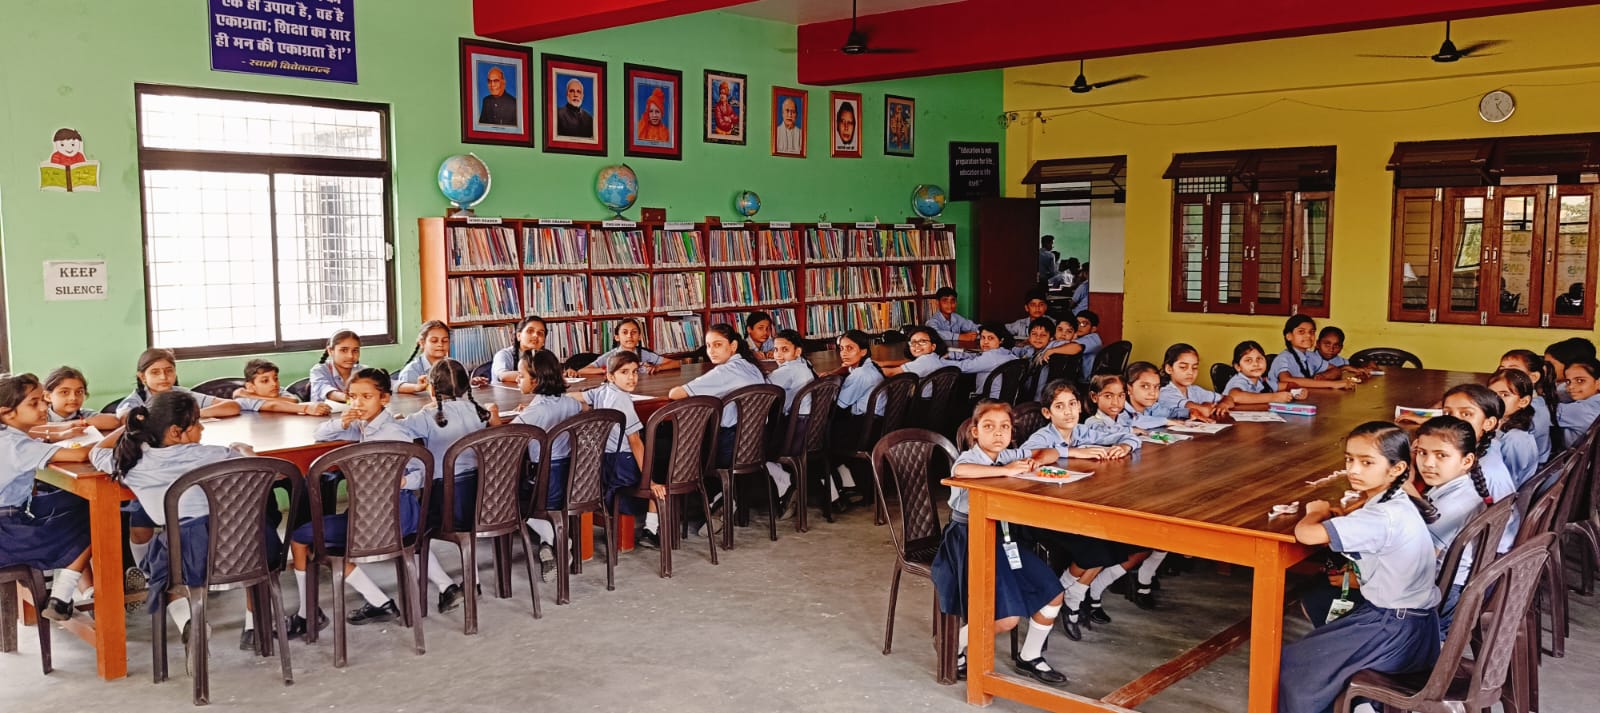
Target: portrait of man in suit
point(499, 106)
point(572, 120)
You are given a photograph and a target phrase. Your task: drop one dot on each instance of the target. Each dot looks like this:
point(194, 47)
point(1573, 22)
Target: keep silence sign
point(74, 280)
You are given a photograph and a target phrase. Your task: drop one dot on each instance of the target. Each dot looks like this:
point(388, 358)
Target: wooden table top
point(1232, 479)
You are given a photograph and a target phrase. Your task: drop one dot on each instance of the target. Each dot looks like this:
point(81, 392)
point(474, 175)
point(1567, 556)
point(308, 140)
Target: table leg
point(586, 535)
point(625, 525)
point(1266, 626)
point(980, 598)
point(105, 538)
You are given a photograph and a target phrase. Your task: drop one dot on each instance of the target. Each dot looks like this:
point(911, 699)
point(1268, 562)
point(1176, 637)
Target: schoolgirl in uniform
point(1518, 446)
point(1395, 630)
point(861, 376)
point(758, 334)
point(1248, 385)
point(1109, 394)
point(531, 333)
point(1544, 401)
point(1577, 415)
point(1181, 364)
point(793, 374)
point(735, 368)
point(1447, 461)
point(67, 389)
point(630, 338)
point(927, 355)
point(1299, 366)
point(438, 426)
point(433, 346)
point(1480, 408)
point(541, 377)
point(1145, 410)
point(157, 373)
point(994, 344)
point(339, 363)
point(1027, 590)
point(625, 447)
point(1565, 352)
point(368, 419)
point(47, 530)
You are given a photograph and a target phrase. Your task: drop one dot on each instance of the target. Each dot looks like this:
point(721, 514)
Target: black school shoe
point(1040, 670)
point(450, 598)
point(1144, 597)
point(1069, 624)
point(56, 610)
point(648, 539)
point(296, 625)
point(1093, 612)
point(247, 640)
point(368, 614)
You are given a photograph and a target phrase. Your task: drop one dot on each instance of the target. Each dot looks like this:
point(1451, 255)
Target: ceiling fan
point(1448, 51)
point(857, 41)
point(1082, 85)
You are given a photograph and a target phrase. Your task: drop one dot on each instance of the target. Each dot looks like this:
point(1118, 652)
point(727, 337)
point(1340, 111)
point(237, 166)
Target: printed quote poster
point(311, 39)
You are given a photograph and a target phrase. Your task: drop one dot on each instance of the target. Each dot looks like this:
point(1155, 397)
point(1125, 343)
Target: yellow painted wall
point(1302, 92)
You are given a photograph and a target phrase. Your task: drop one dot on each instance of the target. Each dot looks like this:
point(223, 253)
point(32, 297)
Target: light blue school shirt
point(1091, 346)
point(382, 428)
point(505, 362)
point(1337, 361)
point(75, 415)
point(975, 455)
point(724, 379)
point(547, 412)
point(158, 469)
point(1392, 551)
point(461, 419)
point(1457, 502)
point(982, 365)
point(325, 379)
point(1501, 486)
point(1520, 453)
point(1019, 328)
point(134, 399)
point(858, 386)
point(1177, 399)
point(1089, 433)
point(414, 370)
point(1245, 384)
point(924, 365)
point(607, 395)
point(766, 346)
point(792, 376)
point(1541, 427)
point(1080, 296)
point(1154, 417)
point(20, 457)
point(1028, 351)
point(646, 357)
point(1575, 418)
point(1285, 362)
point(951, 328)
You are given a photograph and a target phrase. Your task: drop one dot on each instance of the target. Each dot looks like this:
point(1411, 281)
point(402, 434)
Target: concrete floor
point(795, 625)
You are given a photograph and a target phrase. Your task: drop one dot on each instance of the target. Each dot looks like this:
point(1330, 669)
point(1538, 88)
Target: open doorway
point(1080, 203)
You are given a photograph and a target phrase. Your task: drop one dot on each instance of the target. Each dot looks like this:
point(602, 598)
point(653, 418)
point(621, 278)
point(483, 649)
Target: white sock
point(436, 573)
point(66, 581)
point(368, 589)
point(300, 585)
point(1033, 643)
point(178, 609)
point(1075, 591)
point(780, 477)
point(545, 530)
point(845, 478)
point(652, 522)
point(1147, 571)
point(249, 620)
point(962, 639)
point(1107, 576)
point(139, 551)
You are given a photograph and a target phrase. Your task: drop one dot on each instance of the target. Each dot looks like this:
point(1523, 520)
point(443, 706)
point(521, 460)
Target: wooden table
point(1208, 497)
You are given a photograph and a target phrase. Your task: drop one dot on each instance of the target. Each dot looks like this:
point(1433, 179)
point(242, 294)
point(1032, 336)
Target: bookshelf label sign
point(938, 225)
point(904, 226)
point(679, 226)
point(867, 226)
point(474, 220)
point(733, 225)
point(74, 280)
point(681, 313)
point(825, 226)
point(619, 224)
point(555, 221)
point(779, 225)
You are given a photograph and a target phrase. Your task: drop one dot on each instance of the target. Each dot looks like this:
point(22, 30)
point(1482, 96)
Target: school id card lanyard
point(1342, 605)
point(1013, 554)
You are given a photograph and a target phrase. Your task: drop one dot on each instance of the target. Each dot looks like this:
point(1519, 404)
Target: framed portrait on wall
point(496, 106)
point(844, 131)
point(725, 108)
point(574, 105)
point(789, 122)
point(899, 125)
point(654, 112)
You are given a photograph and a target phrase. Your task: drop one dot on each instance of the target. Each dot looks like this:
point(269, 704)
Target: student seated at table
point(1034, 305)
point(1030, 590)
point(793, 374)
point(1080, 289)
point(1084, 339)
point(1145, 411)
point(1544, 401)
point(1565, 352)
point(1039, 339)
point(1330, 342)
point(1481, 409)
point(44, 530)
point(67, 389)
point(630, 338)
point(261, 386)
point(625, 447)
point(994, 345)
point(541, 377)
point(433, 346)
point(735, 369)
point(927, 352)
point(530, 336)
point(951, 326)
point(1299, 366)
point(1518, 447)
point(758, 334)
point(1445, 453)
point(1578, 414)
point(1248, 385)
point(861, 376)
point(1394, 629)
point(339, 363)
point(1181, 364)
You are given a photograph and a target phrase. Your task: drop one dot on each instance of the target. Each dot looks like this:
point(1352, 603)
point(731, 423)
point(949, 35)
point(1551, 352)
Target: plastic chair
point(1113, 357)
point(689, 456)
point(10, 578)
point(373, 473)
point(482, 371)
point(221, 388)
point(1483, 534)
point(1009, 376)
point(893, 397)
point(1064, 367)
point(754, 405)
point(502, 459)
point(1388, 357)
point(798, 449)
point(581, 360)
point(301, 389)
point(111, 407)
point(237, 492)
point(1220, 375)
point(906, 456)
point(588, 432)
point(934, 401)
point(1026, 418)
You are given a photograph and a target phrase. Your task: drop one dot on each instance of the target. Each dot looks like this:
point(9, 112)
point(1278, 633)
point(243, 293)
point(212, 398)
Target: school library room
point(819, 355)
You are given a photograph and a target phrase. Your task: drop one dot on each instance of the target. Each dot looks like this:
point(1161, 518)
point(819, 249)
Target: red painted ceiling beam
point(986, 34)
point(529, 20)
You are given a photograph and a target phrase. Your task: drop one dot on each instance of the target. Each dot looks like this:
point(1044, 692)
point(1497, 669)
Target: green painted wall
point(1072, 236)
point(74, 63)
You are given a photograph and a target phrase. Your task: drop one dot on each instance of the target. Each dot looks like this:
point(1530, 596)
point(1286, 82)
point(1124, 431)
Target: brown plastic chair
point(373, 473)
point(221, 388)
point(754, 405)
point(906, 456)
point(1457, 682)
point(893, 396)
point(1387, 357)
point(935, 401)
point(21, 575)
point(237, 493)
point(1220, 375)
point(692, 447)
point(301, 389)
point(1113, 357)
point(1009, 376)
point(589, 433)
point(1026, 418)
point(502, 459)
point(801, 448)
point(1482, 533)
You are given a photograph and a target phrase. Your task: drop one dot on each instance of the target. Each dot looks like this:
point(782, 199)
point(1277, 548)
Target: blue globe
point(747, 203)
point(617, 187)
point(928, 200)
point(464, 179)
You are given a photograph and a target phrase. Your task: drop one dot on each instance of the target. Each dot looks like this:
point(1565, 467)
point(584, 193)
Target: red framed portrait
point(653, 106)
point(789, 122)
point(496, 91)
point(844, 124)
point(573, 104)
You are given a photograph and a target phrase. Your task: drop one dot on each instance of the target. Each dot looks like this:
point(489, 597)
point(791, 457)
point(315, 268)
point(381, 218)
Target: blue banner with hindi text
point(311, 39)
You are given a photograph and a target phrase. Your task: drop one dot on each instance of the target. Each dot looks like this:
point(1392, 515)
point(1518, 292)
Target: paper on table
point(1164, 438)
point(574, 379)
point(337, 406)
point(1200, 428)
point(1072, 476)
point(91, 436)
point(1256, 417)
point(640, 397)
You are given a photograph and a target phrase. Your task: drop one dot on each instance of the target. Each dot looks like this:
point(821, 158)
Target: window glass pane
point(1314, 255)
point(1269, 256)
point(1572, 254)
point(208, 256)
point(1416, 246)
point(261, 127)
point(331, 266)
point(1467, 261)
point(1516, 254)
point(1230, 253)
point(1192, 260)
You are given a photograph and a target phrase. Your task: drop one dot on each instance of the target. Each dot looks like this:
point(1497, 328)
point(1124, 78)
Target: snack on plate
point(1050, 471)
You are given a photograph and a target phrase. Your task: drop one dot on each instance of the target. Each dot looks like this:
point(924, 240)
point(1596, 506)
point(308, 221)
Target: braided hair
point(422, 336)
point(1395, 447)
point(1488, 404)
point(148, 426)
point(1174, 353)
point(148, 358)
point(448, 380)
point(726, 331)
point(333, 341)
point(1464, 438)
point(1521, 386)
point(1289, 326)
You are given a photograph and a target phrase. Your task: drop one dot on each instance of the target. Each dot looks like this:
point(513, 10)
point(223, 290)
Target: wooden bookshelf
point(481, 275)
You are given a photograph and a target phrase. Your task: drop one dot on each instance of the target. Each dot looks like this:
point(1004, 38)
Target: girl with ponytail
point(1518, 447)
point(1482, 410)
point(333, 372)
point(157, 373)
point(1544, 401)
point(530, 336)
point(1447, 460)
point(1392, 626)
point(541, 376)
point(433, 346)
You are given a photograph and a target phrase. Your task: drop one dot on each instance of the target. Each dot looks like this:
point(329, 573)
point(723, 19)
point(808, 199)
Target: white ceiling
point(801, 12)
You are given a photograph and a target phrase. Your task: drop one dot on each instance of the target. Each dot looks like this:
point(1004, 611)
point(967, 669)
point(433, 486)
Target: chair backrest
point(1026, 418)
point(694, 422)
point(237, 491)
point(1113, 357)
point(1220, 374)
point(1009, 376)
point(1539, 510)
point(1388, 357)
point(754, 405)
point(1482, 533)
point(906, 456)
point(1490, 611)
point(937, 389)
point(301, 389)
point(820, 395)
point(373, 473)
point(895, 393)
point(482, 371)
point(581, 360)
point(221, 388)
point(502, 459)
point(589, 433)
point(111, 407)
point(1064, 366)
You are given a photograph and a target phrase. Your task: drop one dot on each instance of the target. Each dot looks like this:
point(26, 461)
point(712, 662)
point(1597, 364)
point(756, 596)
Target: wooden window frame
point(1295, 253)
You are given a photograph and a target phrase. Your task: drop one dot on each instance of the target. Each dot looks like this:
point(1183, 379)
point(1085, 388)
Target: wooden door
point(1006, 254)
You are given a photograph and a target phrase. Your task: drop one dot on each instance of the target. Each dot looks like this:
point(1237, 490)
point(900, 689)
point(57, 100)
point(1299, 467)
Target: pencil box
point(1294, 409)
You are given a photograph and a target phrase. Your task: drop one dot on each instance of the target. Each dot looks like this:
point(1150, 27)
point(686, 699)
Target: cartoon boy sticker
point(69, 148)
point(69, 169)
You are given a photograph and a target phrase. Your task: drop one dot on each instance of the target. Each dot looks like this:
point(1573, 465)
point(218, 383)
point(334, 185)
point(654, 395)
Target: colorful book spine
point(901, 245)
point(732, 289)
point(679, 290)
point(825, 283)
point(777, 287)
point(825, 321)
point(935, 277)
point(783, 318)
point(825, 245)
point(779, 247)
point(881, 316)
point(477, 299)
point(605, 331)
point(558, 248)
point(677, 248)
point(863, 282)
point(563, 295)
point(565, 339)
point(614, 249)
point(482, 248)
point(475, 345)
point(902, 281)
point(619, 294)
point(863, 244)
point(732, 248)
point(939, 244)
point(673, 335)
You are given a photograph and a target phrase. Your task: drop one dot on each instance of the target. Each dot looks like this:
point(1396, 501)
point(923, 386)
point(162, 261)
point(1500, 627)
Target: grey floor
point(795, 625)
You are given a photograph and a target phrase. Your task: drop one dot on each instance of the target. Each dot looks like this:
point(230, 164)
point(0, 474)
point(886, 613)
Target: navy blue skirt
point(137, 517)
point(52, 538)
point(194, 536)
point(1316, 669)
point(335, 527)
point(465, 503)
point(620, 474)
point(727, 437)
point(1018, 592)
point(555, 498)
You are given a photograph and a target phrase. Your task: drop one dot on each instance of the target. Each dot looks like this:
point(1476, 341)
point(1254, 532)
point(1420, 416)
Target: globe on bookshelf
point(464, 179)
point(927, 200)
point(747, 203)
point(617, 188)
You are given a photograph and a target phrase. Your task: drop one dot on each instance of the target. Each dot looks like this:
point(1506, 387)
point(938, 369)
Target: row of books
point(937, 276)
point(732, 248)
point(679, 290)
point(476, 299)
point(475, 345)
point(554, 248)
point(881, 316)
point(782, 318)
point(481, 248)
point(734, 289)
point(779, 247)
point(832, 283)
point(617, 249)
point(620, 294)
point(902, 281)
point(565, 247)
point(908, 245)
point(677, 248)
point(672, 335)
point(558, 295)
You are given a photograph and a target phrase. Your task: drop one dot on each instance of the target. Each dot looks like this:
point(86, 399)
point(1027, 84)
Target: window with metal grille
point(266, 220)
